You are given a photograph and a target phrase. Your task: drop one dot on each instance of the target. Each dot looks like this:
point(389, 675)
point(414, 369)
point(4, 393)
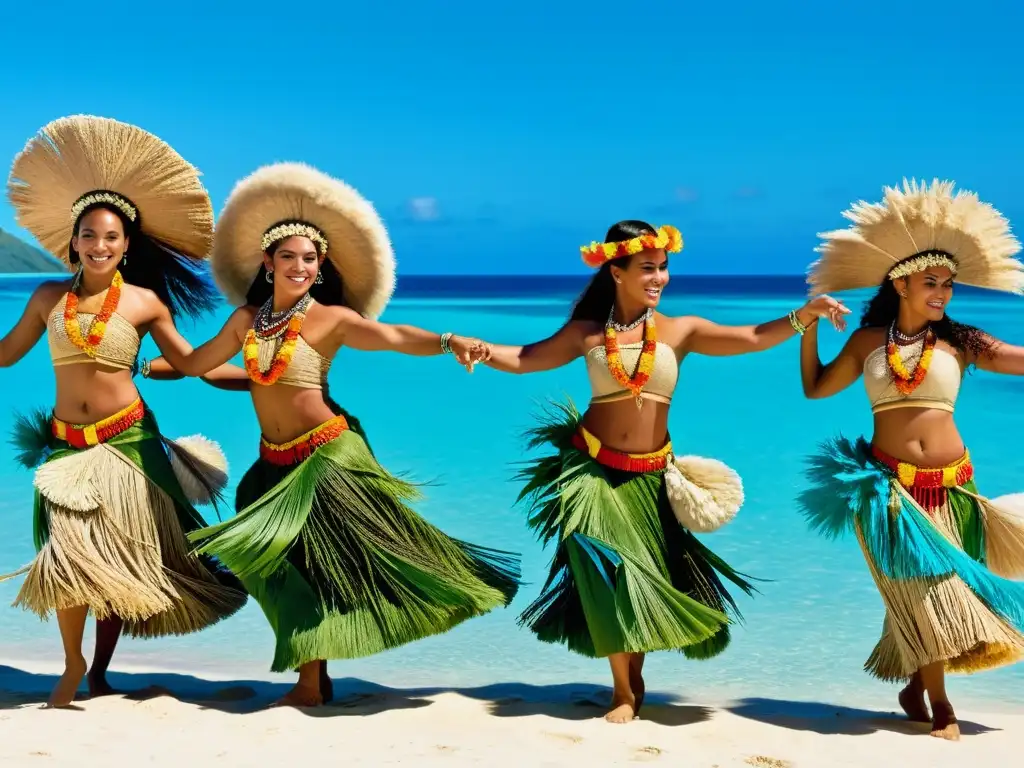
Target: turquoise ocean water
point(805, 636)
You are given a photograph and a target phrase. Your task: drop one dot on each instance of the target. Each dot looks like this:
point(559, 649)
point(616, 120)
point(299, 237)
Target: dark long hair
point(180, 282)
point(330, 291)
point(884, 308)
point(597, 298)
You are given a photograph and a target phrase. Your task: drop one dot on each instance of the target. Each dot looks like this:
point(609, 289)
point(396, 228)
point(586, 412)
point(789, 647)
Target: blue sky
point(498, 138)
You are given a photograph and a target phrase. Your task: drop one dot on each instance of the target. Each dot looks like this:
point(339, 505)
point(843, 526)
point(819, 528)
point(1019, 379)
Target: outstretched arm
point(228, 377)
point(707, 338)
point(358, 332)
point(202, 360)
point(822, 381)
point(1001, 357)
point(553, 352)
point(30, 326)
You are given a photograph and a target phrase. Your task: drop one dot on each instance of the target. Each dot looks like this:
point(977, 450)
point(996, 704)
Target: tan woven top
point(605, 389)
point(307, 369)
point(939, 389)
point(118, 348)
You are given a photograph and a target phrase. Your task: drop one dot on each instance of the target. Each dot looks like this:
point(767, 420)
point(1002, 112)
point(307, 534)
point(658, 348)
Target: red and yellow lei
point(283, 357)
point(645, 365)
point(905, 381)
point(91, 343)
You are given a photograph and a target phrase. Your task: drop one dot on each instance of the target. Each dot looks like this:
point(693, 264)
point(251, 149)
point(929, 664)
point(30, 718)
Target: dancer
point(935, 548)
point(324, 538)
point(114, 498)
point(628, 576)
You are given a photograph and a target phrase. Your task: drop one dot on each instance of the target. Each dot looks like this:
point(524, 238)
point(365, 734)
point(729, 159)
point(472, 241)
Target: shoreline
point(162, 719)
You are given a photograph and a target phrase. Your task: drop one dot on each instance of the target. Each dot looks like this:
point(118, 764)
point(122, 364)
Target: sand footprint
point(570, 737)
point(646, 754)
point(761, 761)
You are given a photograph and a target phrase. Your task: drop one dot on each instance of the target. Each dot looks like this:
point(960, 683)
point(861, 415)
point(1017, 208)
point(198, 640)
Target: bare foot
point(912, 701)
point(98, 685)
point(944, 724)
point(64, 691)
point(623, 709)
point(300, 696)
point(326, 685)
point(636, 682)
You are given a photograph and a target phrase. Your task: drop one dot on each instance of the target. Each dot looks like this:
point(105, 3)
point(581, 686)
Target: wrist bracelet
point(445, 346)
point(144, 369)
point(794, 321)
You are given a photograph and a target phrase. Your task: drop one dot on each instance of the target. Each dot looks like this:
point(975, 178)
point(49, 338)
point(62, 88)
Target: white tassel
point(208, 459)
point(705, 494)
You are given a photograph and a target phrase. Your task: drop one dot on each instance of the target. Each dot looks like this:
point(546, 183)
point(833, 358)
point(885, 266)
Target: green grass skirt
point(110, 524)
point(625, 576)
point(342, 566)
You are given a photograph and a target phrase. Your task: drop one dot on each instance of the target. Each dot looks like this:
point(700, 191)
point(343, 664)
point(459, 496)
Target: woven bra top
point(939, 388)
point(307, 369)
point(660, 386)
point(118, 348)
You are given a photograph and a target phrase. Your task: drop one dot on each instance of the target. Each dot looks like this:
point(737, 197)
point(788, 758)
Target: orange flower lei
point(90, 343)
point(905, 381)
point(667, 237)
point(283, 357)
point(645, 365)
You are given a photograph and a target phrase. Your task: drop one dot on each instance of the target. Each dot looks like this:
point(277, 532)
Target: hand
point(469, 351)
point(827, 307)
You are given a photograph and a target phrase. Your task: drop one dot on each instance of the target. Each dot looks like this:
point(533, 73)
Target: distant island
point(19, 257)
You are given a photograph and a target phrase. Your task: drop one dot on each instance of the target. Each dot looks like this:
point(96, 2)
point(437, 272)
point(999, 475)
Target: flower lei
point(905, 381)
point(91, 343)
point(282, 358)
point(645, 365)
point(667, 237)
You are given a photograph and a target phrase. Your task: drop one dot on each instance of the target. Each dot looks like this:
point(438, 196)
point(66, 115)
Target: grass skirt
point(110, 525)
point(940, 566)
point(340, 564)
point(625, 576)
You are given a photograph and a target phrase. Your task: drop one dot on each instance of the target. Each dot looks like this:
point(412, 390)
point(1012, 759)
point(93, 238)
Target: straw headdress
point(75, 161)
point(285, 193)
point(919, 226)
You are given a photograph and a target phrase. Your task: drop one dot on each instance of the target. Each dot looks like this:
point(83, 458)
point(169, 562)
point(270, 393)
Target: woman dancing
point(324, 538)
point(628, 576)
point(114, 498)
point(935, 548)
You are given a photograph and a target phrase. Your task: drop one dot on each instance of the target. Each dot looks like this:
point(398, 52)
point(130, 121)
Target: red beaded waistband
point(928, 485)
point(87, 435)
point(627, 462)
point(303, 446)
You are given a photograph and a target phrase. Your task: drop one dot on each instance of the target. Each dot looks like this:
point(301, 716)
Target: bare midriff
point(924, 437)
point(619, 425)
point(88, 392)
point(286, 412)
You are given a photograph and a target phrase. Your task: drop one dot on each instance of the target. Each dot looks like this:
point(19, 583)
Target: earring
point(319, 278)
point(124, 258)
point(269, 276)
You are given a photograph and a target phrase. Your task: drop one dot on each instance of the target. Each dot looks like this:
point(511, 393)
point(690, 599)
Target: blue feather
point(848, 487)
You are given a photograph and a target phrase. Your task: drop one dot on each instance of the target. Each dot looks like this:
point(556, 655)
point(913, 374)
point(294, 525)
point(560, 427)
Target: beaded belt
point(626, 462)
point(302, 447)
point(85, 435)
point(928, 486)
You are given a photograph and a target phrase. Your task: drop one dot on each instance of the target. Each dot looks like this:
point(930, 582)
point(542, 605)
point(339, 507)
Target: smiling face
point(643, 279)
point(295, 264)
point(927, 293)
point(100, 241)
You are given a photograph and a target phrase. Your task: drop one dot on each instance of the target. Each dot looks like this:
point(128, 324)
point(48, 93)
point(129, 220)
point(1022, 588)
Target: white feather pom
point(705, 494)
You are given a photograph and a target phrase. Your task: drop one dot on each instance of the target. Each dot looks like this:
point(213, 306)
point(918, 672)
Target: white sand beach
point(174, 720)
